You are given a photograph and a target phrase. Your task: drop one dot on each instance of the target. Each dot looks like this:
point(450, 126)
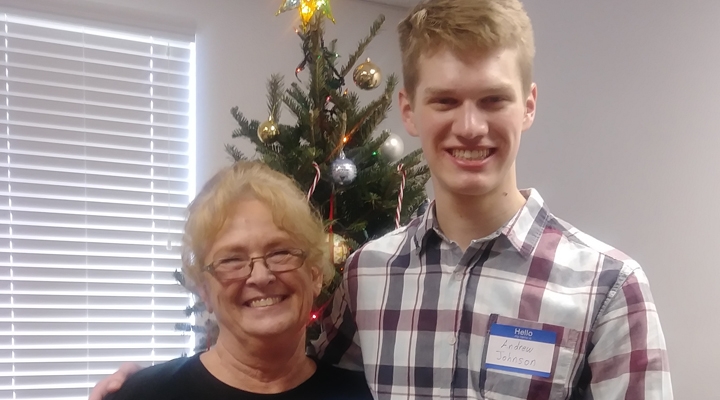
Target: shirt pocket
point(505, 385)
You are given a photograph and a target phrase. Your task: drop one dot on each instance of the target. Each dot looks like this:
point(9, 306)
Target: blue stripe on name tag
point(516, 332)
point(518, 370)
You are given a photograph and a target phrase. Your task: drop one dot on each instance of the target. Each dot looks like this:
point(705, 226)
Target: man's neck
point(260, 366)
point(463, 219)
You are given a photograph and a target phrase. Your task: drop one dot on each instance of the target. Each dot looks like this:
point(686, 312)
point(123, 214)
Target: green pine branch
point(369, 117)
point(234, 152)
point(276, 89)
point(179, 277)
point(243, 123)
point(297, 101)
point(354, 57)
point(198, 307)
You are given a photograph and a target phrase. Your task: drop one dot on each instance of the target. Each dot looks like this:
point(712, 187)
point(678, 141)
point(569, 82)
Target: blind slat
point(87, 267)
point(141, 333)
point(88, 116)
point(86, 158)
point(82, 359)
point(157, 110)
point(91, 227)
point(148, 282)
point(57, 29)
point(135, 307)
point(70, 97)
point(157, 217)
point(147, 255)
point(55, 56)
point(184, 138)
point(148, 95)
point(154, 82)
point(92, 346)
point(90, 144)
point(156, 177)
point(49, 39)
point(93, 294)
point(84, 240)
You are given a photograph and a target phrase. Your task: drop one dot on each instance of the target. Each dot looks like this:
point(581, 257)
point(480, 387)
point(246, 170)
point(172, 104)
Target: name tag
point(522, 350)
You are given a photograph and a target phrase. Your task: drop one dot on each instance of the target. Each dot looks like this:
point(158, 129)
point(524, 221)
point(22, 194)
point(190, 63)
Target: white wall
point(626, 146)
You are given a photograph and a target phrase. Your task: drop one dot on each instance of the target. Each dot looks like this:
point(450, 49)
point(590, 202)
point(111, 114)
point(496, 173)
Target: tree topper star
point(288, 5)
point(307, 9)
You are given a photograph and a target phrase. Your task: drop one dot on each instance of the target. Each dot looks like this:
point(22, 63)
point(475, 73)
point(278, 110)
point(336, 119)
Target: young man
point(487, 295)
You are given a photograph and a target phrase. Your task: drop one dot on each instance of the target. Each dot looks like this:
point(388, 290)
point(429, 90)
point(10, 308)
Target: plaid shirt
point(414, 312)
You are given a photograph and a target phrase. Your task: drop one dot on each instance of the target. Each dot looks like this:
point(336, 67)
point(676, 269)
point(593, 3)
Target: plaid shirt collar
point(523, 230)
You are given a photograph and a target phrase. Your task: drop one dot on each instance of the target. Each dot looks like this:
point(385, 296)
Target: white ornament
point(393, 148)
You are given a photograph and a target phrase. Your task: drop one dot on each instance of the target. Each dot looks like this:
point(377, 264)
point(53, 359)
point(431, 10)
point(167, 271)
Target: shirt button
point(458, 276)
point(451, 340)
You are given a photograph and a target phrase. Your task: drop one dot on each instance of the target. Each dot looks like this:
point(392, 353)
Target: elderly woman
point(255, 252)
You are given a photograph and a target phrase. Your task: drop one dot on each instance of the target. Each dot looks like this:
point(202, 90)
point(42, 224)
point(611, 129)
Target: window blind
point(96, 169)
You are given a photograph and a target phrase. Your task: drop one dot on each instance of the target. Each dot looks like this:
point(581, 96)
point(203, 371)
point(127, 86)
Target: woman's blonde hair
point(217, 201)
point(465, 27)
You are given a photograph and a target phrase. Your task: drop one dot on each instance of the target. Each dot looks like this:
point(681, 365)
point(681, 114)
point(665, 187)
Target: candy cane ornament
point(401, 171)
point(315, 181)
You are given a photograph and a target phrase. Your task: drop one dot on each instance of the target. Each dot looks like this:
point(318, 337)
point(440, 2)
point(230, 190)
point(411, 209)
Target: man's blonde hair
point(218, 200)
point(465, 27)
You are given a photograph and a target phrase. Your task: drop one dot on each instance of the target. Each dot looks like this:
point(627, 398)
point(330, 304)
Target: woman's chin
point(272, 324)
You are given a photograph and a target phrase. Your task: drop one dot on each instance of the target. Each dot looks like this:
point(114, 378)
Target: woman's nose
point(260, 275)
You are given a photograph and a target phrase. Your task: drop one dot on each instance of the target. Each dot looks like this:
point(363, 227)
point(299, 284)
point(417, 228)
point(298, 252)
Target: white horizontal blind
point(95, 174)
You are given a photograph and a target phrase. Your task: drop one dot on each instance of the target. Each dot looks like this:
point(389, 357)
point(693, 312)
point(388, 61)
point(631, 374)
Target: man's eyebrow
point(433, 92)
point(436, 92)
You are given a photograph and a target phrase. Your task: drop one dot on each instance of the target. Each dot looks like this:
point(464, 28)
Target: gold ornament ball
point(267, 130)
point(340, 248)
point(367, 75)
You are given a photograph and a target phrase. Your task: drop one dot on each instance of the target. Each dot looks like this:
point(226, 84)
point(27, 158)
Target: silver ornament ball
point(393, 148)
point(343, 170)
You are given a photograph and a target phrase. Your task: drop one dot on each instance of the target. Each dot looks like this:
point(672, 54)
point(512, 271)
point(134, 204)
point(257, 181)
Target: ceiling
point(395, 3)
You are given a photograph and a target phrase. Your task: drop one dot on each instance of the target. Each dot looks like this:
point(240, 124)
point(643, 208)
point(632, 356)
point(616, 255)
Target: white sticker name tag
point(522, 350)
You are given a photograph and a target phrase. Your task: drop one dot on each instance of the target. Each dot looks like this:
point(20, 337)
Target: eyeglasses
point(238, 268)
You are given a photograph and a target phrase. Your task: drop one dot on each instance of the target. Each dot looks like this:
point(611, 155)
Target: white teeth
point(471, 154)
point(266, 302)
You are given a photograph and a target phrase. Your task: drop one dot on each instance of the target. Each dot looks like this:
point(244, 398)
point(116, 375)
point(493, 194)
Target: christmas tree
point(361, 183)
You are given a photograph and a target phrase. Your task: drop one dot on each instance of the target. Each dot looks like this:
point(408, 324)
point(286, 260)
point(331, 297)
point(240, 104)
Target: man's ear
point(407, 112)
point(530, 107)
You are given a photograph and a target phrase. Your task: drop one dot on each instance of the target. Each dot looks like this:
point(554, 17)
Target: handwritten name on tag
point(521, 350)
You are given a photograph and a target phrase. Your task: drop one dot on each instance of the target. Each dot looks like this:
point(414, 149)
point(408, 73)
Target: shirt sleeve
point(628, 359)
point(338, 343)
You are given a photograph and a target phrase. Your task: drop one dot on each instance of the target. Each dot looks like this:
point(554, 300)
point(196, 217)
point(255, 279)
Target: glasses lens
point(284, 261)
point(232, 268)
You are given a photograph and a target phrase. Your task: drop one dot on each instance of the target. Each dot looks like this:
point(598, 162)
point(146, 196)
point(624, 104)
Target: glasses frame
point(211, 268)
